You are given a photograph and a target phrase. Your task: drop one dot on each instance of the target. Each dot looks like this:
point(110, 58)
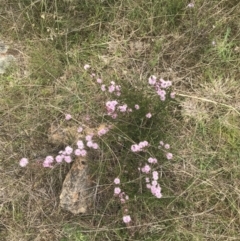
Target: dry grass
point(122, 40)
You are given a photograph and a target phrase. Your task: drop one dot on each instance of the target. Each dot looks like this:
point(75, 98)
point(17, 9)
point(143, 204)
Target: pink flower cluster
point(123, 198)
point(113, 106)
point(80, 151)
point(67, 154)
point(139, 147)
point(112, 88)
point(160, 86)
point(152, 183)
point(118, 192)
point(48, 162)
point(63, 155)
point(169, 155)
point(103, 131)
point(90, 142)
point(155, 188)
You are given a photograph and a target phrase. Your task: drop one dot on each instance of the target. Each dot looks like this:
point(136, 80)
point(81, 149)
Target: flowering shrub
point(136, 115)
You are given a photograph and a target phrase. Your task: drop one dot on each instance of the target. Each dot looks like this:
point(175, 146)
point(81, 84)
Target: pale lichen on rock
point(76, 195)
point(6, 57)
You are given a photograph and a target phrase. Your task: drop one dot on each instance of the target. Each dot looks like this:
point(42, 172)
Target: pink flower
point(158, 194)
point(48, 161)
point(122, 108)
point(80, 129)
point(162, 97)
point(103, 87)
point(143, 144)
point(148, 185)
point(172, 95)
point(79, 152)
point(118, 88)
point(45, 164)
point(86, 66)
point(88, 137)
point(95, 146)
point(67, 159)
point(152, 160)
point(135, 148)
point(137, 107)
point(59, 158)
point(152, 80)
point(156, 191)
point(80, 144)
point(155, 175)
point(83, 153)
point(154, 183)
point(161, 92)
point(147, 179)
point(148, 115)
point(90, 144)
point(190, 5)
point(99, 80)
point(169, 83)
point(111, 106)
point(117, 181)
point(122, 195)
point(23, 162)
point(68, 117)
point(167, 146)
point(139, 147)
point(68, 150)
point(146, 169)
point(111, 88)
point(117, 190)
point(164, 83)
point(126, 219)
point(169, 155)
point(103, 131)
point(161, 143)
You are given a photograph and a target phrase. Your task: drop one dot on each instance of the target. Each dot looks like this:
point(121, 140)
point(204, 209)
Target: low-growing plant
point(134, 117)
